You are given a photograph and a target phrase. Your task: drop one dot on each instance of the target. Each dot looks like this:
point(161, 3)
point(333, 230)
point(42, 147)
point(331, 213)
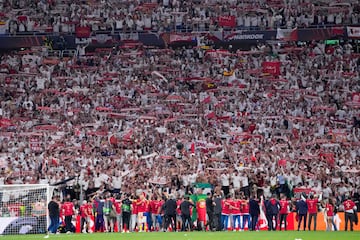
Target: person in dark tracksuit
point(254, 210)
point(169, 208)
point(275, 207)
point(301, 210)
point(185, 214)
point(217, 212)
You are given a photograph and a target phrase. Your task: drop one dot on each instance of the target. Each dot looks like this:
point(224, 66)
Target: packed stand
point(172, 15)
point(139, 119)
point(146, 124)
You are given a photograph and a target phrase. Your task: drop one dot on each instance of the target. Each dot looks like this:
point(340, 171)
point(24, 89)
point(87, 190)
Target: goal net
point(23, 209)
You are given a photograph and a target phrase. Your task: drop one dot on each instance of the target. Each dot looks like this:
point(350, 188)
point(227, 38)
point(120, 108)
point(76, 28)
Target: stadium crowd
point(168, 15)
point(134, 119)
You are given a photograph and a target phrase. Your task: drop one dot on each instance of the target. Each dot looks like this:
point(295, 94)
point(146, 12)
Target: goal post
point(23, 208)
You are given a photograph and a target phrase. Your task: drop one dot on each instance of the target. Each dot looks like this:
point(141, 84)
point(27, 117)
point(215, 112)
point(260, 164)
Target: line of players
point(142, 214)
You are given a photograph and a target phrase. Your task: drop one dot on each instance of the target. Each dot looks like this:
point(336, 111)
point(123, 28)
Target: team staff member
point(185, 206)
point(126, 213)
point(301, 210)
point(210, 211)
point(169, 208)
point(54, 214)
point(254, 210)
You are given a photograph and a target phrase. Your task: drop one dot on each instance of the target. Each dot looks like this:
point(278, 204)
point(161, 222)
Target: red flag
point(54, 161)
point(211, 115)
point(206, 100)
point(192, 148)
point(282, 162)
point(82, 32)
point(272, 68)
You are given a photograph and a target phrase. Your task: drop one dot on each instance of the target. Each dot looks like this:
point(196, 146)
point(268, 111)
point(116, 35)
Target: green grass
point(262, 235)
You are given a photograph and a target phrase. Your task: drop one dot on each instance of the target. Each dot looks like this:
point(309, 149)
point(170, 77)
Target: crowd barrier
point(148, 38)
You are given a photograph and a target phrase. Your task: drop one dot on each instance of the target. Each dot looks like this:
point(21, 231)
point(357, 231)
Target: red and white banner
point(272, 68)
point(174, 38)
point(227, 21)
point(287, 34)
point(353, 32)
point(35, 144)
point(82, 32)
point(102, 39)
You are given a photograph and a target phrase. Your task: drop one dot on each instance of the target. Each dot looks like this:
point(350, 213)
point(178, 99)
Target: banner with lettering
point(272, 68)
point(227, 21)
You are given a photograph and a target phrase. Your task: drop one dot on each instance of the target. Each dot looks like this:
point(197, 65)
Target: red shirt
point(329, 210)
point(284, 204)
point(226, 206)
point(141, 206)
point(201, 210)
point(236, 205)
point(117, 207)
point(83, 211)
point(178, 210)
point(68, 208)
point(312, 205)
point(134, 208)
point(245, 207)
point(89, 209)
point(349, 205)
point(155, 205)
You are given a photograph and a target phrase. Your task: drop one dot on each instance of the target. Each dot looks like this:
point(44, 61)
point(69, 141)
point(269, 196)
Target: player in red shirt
point(284, 210)
point(85, 219)
point(225, 212)
point(155, 206)
point(142, 208)
point(312, 203)
point(236, 211)
point(329, 210)
point(134, 213)
point(68, 210)
point(201, 213)
point(117, 205)
point(349, 207)
point(245, 213)
point(179, 222)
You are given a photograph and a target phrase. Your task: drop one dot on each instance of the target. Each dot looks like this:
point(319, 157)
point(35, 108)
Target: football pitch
point(262, 235)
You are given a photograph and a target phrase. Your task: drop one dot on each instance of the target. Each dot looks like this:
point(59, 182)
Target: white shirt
point(117, 182)
point(236, 181)
point(225, 181)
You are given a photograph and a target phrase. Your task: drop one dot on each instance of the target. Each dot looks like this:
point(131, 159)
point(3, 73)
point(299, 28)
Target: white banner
point(353, 32)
